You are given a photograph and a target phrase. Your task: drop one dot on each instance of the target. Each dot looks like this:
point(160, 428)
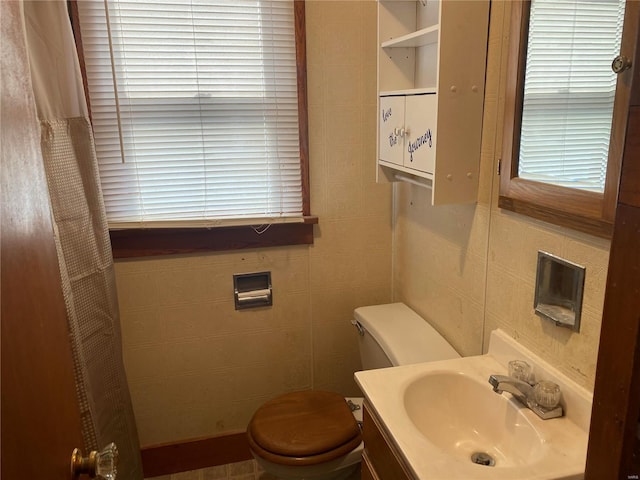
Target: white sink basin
point(465, 416)
point(439, 414)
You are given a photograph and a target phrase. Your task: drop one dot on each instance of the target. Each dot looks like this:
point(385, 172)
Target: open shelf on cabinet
point(410, 171)
point(420, 38)
point(408, 91)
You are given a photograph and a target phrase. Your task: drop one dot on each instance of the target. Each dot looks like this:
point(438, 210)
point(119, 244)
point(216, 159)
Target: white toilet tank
point(393, 334)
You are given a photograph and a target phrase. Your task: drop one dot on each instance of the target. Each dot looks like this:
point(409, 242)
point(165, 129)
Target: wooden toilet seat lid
point(303, 424)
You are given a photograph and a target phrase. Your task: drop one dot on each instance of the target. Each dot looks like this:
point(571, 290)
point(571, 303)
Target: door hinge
point(499, 166)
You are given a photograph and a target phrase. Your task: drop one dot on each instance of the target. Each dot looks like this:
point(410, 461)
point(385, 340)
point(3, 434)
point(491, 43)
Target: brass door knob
point(620, 64)
point(101, 465)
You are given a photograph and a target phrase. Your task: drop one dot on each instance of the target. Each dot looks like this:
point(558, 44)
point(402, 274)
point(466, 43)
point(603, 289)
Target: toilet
point(314, 434)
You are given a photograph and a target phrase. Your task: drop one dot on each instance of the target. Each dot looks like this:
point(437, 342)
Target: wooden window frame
point(585, 211)
point(141, 242)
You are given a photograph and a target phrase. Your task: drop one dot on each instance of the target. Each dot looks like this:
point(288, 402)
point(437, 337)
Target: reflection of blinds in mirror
point(569, 91)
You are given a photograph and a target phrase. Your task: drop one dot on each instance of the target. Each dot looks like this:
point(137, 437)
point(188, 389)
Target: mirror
point(569, 91)
point(561, 148)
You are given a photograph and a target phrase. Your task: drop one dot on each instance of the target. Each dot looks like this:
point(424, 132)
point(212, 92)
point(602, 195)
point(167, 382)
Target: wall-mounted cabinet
point(410, 118)
point(431, 73)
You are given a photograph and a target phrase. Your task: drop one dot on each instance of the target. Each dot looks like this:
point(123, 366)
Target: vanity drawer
point(380, 461)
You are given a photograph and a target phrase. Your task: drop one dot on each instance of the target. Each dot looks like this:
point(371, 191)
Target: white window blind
point(194, 108)
point(569, 91)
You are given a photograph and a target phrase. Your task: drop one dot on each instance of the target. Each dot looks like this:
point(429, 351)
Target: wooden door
point(614, 447)
point(40, 419)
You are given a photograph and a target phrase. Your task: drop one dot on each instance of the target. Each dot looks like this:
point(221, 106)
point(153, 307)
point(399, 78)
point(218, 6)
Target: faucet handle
point(520, 370)
point(547, 394)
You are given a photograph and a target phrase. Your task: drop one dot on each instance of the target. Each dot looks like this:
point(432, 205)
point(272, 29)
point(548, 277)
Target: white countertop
point(563, 441)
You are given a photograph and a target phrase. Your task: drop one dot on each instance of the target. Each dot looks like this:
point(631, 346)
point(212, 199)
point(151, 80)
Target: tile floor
point(248, 470)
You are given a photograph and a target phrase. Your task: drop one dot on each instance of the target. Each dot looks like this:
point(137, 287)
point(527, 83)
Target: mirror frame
point(585, 211)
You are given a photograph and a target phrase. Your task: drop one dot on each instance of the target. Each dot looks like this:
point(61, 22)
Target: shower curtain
point(82, 236)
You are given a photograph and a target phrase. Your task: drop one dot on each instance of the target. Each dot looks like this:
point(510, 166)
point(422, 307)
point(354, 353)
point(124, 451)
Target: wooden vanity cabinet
point(366, 471)
point(380, 460)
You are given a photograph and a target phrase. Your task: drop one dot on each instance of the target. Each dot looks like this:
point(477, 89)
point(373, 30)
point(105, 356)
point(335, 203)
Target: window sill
point(141, 242)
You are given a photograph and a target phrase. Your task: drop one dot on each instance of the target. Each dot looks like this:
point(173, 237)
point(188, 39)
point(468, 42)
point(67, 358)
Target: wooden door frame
point(614, 449)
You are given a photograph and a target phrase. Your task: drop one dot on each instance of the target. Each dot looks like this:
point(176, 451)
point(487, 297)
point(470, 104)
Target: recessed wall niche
point(559, 290)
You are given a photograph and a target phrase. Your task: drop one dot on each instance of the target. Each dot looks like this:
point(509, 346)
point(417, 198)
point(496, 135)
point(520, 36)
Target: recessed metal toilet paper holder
point(252, 290)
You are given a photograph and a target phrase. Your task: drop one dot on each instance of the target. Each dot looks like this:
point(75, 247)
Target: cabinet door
point(366, 471)
point(420, 132)
point(391, 122)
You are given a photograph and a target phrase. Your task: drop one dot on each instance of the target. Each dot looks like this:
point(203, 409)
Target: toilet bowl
point(339, 469)
point(315, 435)
point(307, 435)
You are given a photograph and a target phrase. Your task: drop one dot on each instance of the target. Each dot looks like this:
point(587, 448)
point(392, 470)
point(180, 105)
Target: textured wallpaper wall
point(470, 269)
point(196, 367)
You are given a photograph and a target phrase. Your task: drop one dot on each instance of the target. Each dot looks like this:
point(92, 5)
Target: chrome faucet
point(525, 394)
